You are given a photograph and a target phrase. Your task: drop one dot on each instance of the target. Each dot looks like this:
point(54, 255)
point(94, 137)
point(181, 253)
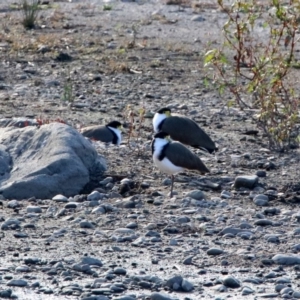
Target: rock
point(99, 210)
point(94, 196)
point(13, 204)
point(6, 293)
point(296, 295)
point(247, 291)
point(187, 260)
point(17, 282)
point(261, 200)
point(11, 223)
point(54, 159)
point(198, 19)
point(286, 259)
point(226, 195)
point(91, 261)
point(120, 271)
point(86, 224)
point(60, 198)
point(34, 209)
point(261, 173)
point(214, 251)
point(186, 286)
point(174, 282)
point(160, 296)
point(263, 222)
point(231, 282)
point(196, 194)
point(245, 181)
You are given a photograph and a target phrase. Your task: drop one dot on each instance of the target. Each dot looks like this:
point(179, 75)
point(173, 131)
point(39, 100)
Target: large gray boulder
point(45, 161)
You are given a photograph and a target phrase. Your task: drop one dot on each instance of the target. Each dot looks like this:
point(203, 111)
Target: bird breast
point(118, 133)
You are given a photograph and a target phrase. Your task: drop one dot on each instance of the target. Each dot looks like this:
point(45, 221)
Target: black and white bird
point(182, 129)
point(173, 157)
point(110, 133)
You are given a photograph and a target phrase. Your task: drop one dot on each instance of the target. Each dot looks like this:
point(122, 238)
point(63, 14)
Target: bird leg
point(172, 183)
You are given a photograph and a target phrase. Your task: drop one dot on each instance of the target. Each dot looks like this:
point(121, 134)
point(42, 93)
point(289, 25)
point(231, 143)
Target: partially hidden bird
point(110, 133)
point(182, 129)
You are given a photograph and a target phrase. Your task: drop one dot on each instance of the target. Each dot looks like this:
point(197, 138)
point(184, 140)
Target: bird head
point(162, 135)
point(116, 124)
point(166, 111)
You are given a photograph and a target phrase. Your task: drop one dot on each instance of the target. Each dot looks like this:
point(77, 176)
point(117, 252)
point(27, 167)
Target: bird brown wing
point(98, 133)
point(181, 156)
point(188, 132)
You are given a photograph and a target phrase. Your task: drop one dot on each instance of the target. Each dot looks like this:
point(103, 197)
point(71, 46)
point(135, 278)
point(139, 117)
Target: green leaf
point(209, 56)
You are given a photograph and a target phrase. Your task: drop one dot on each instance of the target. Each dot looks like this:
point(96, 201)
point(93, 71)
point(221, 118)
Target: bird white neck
point(118, 133)
point(158, 146)
point(157, 119)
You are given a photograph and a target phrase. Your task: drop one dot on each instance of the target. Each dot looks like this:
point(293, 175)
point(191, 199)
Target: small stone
point(160, 296)
point(296, 295)
point(6, 293)
point(94, 196)
point(226, 195)
point(132, 225)
point(99, 210)
point(198, 19)
point(174, 282)
point(231, 282)
point(17, 282)
point(261, 200)
point(196, 194)
point(261, 173)
point(86, 224)
point(188, 260)
point(120, 271)
point(263, 222)
point(186, 285)
point(60, 198)
point(247, 291)
point(34, 209)
point(245, 181)
point(287, 260)
point(214, 251)
point(13, 204)
point(71, 205)
point(22, 269)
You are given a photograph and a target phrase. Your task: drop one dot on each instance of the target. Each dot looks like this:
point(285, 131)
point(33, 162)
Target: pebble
point(263, 222)
point(60, 198)
point(285, 259)
point(99, 210)
point(160, 296)
point(34, 209)
point(231, 282)
point(214, 251)
point(261, 200)
point(13, 204)
point(226, 195)
point(245, 181)
point(94, 196)
point(17, 282)
point(196, 194)
point(247, 291)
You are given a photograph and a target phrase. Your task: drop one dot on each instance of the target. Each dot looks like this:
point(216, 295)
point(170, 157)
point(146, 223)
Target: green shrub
point(256, 63)
point(30, 10)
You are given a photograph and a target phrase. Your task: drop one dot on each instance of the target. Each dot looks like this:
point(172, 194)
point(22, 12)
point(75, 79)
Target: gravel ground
point(127, 239)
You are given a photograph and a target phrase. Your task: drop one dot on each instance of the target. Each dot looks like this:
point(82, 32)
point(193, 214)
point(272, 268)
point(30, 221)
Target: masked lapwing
point(182, 129)
point(110, 133)
point(173, 157)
